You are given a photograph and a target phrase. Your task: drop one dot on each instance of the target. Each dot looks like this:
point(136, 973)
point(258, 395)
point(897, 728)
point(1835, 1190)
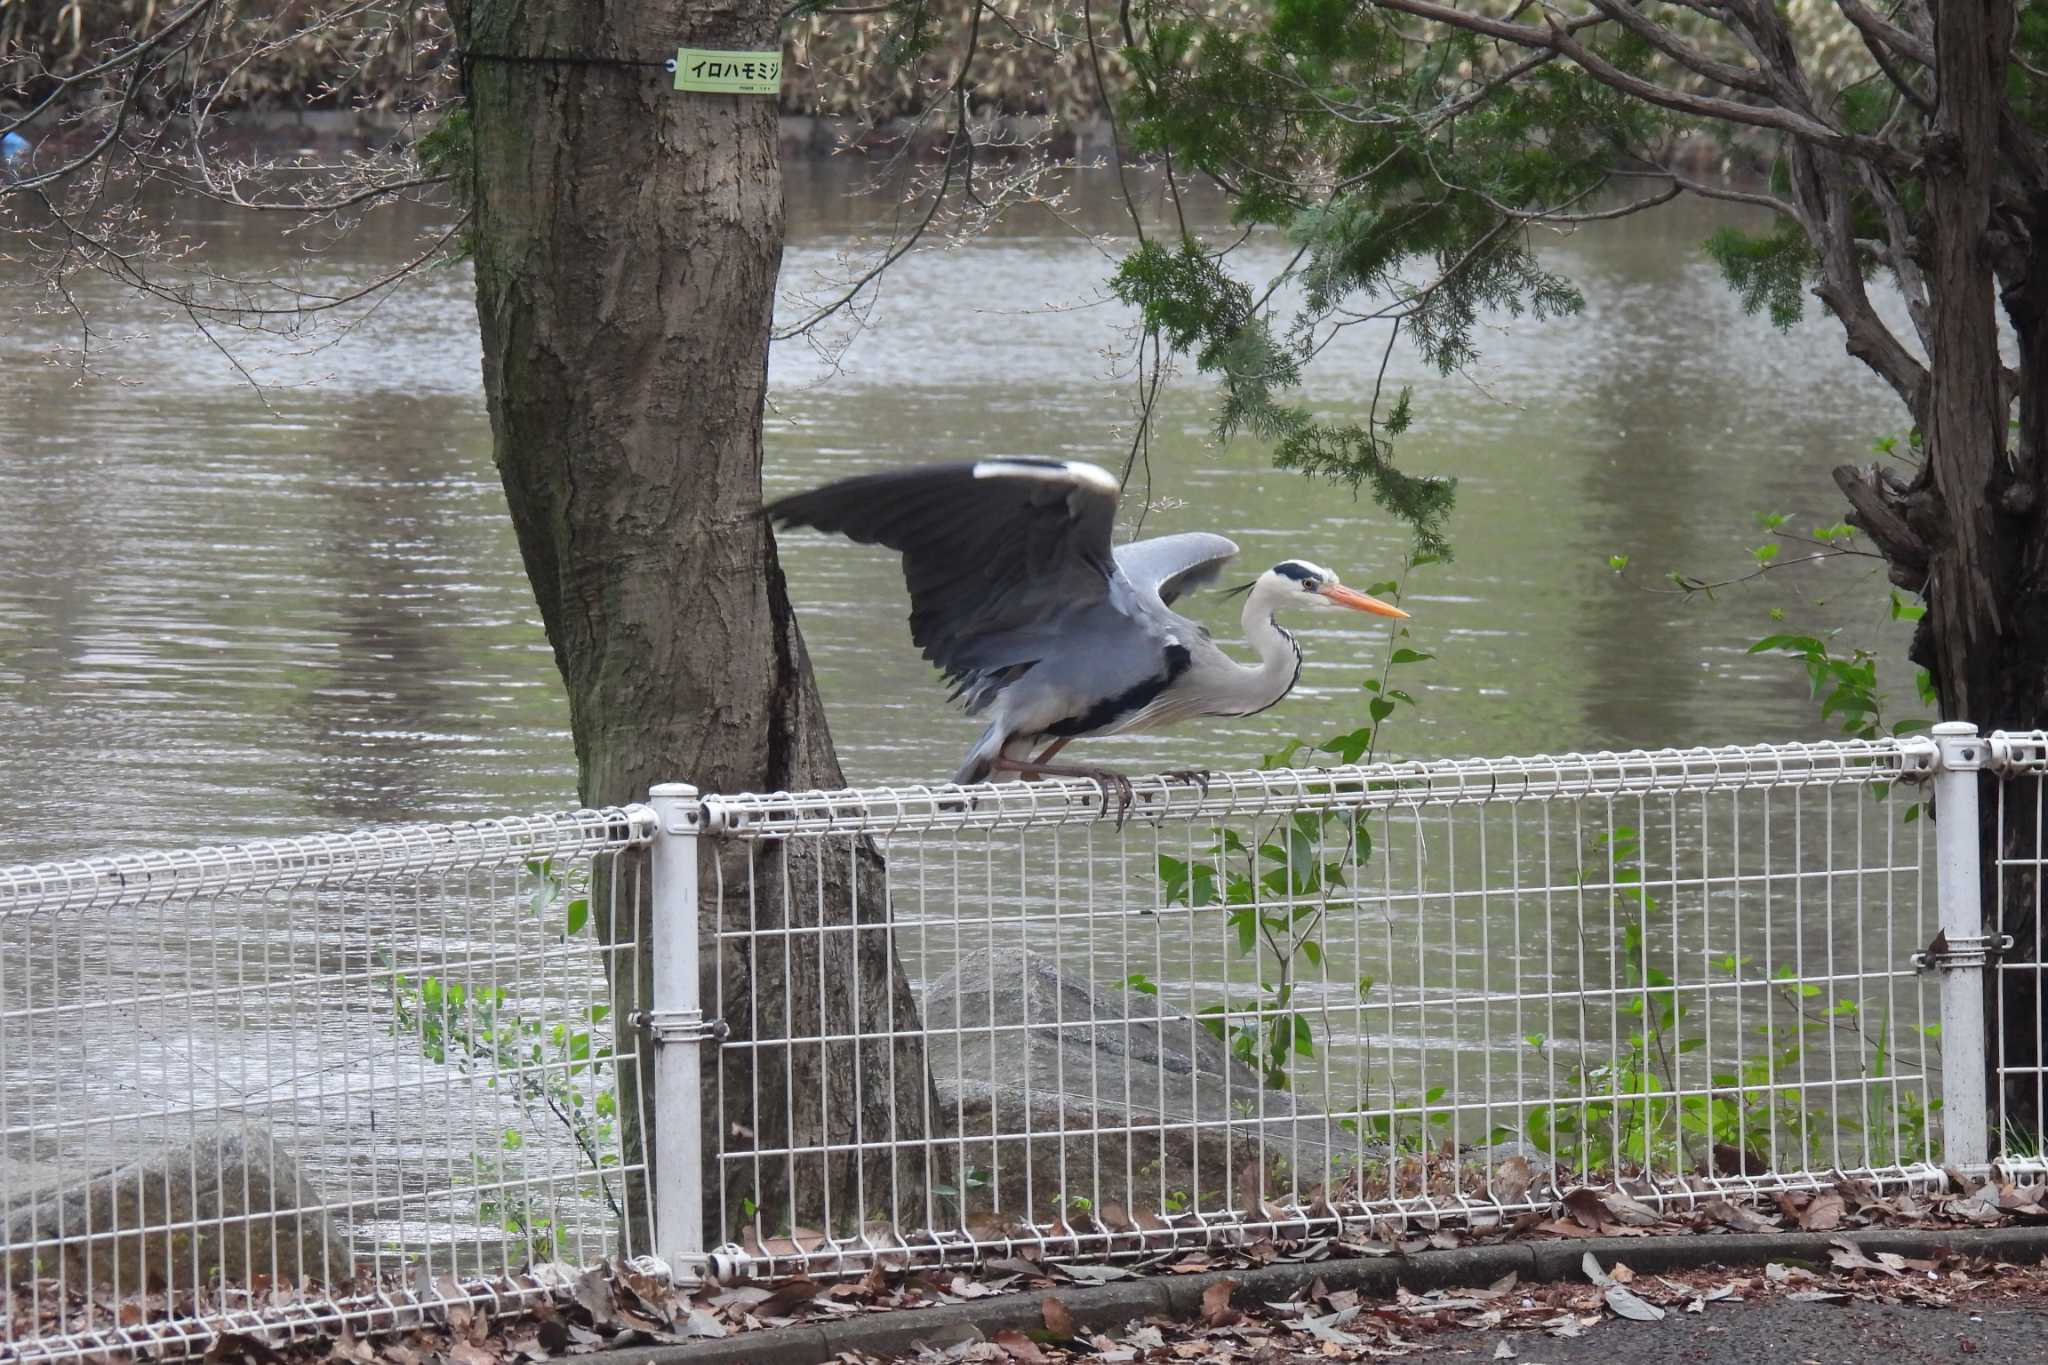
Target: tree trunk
point(1986, 634)
point(627, 243)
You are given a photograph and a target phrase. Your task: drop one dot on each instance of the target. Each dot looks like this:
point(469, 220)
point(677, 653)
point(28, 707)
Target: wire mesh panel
point(1294, 1001)
point(2019, 763)
point(311, 1080)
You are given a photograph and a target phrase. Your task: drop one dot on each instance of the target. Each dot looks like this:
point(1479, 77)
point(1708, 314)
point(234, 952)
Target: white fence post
point(676, 1030)
point(1960, 949)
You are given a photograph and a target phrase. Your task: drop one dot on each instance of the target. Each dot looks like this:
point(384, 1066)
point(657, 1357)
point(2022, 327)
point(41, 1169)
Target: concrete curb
point(1110, 1306)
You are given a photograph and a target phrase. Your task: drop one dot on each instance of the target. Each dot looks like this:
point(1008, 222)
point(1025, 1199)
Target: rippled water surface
point(224, 617)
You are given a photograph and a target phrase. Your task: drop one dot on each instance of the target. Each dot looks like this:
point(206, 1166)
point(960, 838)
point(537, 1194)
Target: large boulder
point(223, 1207)
point(1059, 1091)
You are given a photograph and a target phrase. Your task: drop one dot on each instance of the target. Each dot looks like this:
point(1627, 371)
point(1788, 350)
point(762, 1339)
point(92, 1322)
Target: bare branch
point(1901, 80)
point(1706, 190)
point(1115, 129)
point(959, 152)
point(1557, 37)
point(1880, 507)
point(1678, 50)
point(1878, 33)
point(132, 54)
point(312, 207)
point(1685, 585)
point(1824, 211)
point(1550, 218)
point(1898, 253)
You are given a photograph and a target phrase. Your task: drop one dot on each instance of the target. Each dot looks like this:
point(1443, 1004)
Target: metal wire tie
point(679, 1026)
point(1963, 950)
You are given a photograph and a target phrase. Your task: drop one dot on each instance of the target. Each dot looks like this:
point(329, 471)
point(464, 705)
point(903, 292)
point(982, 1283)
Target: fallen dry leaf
point(1017, 1346)
point(1586, 1207)
point(1737, 1217)
point(1216, 1309)
point(1626, 1303)
point(785, 1297)
point(1824, 1214)
point(1059, 1320)
point(1846, 1255)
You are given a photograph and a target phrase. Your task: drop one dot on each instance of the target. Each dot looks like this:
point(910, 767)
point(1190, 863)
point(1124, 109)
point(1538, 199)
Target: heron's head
point(1298, 583)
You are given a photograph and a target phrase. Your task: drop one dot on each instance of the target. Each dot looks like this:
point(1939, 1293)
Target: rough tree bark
point(1970, 531)
point(627, 243)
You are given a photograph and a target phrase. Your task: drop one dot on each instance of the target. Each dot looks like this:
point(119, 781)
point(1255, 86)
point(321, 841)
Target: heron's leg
point(1109, 778)
point(1050, 750)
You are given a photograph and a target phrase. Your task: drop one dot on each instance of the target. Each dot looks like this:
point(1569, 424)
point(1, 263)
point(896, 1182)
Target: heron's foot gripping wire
point(1115, 786)
point(1116, 782)
point(1197, 778)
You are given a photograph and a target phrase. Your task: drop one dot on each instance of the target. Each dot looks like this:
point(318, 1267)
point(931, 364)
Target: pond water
point(224, 617)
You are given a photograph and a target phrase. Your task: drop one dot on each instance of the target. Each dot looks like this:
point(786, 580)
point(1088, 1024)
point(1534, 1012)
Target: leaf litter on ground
point(553, 1310)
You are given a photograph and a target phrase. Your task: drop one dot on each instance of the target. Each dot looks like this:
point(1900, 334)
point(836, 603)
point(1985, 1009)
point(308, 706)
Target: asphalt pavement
point(1779, 1332)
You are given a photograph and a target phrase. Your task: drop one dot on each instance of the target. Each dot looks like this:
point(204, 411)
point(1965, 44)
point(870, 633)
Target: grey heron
point(1018, 597)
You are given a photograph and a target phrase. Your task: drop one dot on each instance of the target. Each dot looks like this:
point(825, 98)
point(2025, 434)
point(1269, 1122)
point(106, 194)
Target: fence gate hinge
point(1964, 950)
point(680, 1026)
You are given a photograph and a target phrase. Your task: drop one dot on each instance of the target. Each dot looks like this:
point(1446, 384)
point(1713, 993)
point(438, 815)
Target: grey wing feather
point(1173, 566)
point(990, 548)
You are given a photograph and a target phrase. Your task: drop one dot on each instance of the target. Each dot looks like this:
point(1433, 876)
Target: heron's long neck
point(1255, 689)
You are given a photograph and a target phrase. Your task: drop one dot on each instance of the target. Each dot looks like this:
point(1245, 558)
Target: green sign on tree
point(728, 73)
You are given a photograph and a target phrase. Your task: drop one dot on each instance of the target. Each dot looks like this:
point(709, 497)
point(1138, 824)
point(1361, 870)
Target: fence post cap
point(1957, 728)
point(670, 789)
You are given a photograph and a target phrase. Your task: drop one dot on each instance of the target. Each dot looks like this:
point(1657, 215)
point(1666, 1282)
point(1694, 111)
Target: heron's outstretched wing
point(988, 547)
point(1173, 566)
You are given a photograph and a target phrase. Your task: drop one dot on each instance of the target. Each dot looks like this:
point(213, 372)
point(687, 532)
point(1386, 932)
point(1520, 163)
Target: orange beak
point(1358, 601)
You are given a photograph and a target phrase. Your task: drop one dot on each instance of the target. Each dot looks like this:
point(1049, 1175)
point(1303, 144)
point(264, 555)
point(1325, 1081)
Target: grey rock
point(1053, 1086)
point(222, 1207)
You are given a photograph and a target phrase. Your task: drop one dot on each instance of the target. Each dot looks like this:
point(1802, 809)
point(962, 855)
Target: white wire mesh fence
point(2019, 764)
point(343, 1079)
point(1303, 1001)
point(311, 1081)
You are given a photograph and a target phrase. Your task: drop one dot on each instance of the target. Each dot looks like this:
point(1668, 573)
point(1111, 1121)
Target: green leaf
point(1790, 644)
point(1409, 656)
point(1351, 747)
